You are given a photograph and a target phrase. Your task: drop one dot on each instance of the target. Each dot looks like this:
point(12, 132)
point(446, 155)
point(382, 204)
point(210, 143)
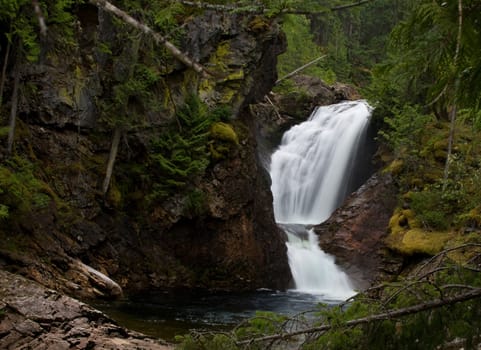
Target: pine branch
point(430, 305)
point(159, 39)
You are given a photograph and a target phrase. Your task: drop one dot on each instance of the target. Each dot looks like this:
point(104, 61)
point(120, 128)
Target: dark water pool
point(165, 316)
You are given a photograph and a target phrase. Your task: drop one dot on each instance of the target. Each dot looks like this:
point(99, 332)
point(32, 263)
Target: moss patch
point(395, 167)
point(408, 237)
point(224, 132)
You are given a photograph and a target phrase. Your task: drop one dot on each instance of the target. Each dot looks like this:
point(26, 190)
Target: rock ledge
point(33, 317)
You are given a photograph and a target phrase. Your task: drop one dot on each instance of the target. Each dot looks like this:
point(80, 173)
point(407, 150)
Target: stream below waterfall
point(167, 315)
point(311, 174)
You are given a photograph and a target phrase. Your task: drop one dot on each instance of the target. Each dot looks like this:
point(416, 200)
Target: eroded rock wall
point(233, 244)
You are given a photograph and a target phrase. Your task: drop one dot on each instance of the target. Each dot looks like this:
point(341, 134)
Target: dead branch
point(391, 314)
point(262, 10)
point(298, 70)
point(443, 253)
point(40, 17)
point(159, 39)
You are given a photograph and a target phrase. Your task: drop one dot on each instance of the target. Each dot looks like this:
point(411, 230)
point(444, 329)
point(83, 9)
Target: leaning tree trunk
point(13, 110)
point(112, 156)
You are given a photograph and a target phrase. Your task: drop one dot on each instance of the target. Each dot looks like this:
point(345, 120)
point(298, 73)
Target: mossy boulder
point(408, 237)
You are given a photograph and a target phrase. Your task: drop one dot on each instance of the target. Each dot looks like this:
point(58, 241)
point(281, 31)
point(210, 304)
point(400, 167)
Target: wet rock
point(33, 317)
point(355, 232)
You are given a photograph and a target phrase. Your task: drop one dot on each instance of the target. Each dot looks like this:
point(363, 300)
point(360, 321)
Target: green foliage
point(180, 154)
point(3, 211)
point(196, 204)
point(403, 128)
point(368, 321)
point(418, 143)
point(422, 56)
point(19, 17)
point(131, 99)
point(264, 322)
point(431, 208)
point(301, 49)
point(21, 191)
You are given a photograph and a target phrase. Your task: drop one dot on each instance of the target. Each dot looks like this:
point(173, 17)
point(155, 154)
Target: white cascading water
point(310, 173)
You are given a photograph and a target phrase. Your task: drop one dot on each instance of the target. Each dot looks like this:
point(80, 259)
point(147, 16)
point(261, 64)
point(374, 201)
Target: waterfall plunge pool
point(312, 172)
point(167, 315)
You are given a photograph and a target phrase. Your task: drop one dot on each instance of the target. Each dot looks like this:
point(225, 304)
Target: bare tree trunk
point(161, 40)
point(454, 110)
point(114, 148)
point(4, 72)
point(13, 110)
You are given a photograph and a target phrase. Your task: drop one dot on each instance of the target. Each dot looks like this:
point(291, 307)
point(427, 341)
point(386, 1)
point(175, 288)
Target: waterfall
point(310, 172)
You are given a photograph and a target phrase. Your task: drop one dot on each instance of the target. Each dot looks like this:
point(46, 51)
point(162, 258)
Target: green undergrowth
point(177, 157)
point(434, 210)
point(181, 153)
point(21, 190)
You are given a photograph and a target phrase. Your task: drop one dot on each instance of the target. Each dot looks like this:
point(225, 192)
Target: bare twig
point(444, 252)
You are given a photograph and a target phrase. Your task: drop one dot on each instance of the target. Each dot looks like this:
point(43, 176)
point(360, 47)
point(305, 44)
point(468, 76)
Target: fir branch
point(391, 314)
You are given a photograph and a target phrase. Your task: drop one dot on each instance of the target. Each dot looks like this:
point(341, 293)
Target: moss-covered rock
point(408, 237)
point(224, 132)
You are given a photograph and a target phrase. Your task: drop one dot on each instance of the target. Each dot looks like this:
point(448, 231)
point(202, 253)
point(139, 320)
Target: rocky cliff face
point(65, 130)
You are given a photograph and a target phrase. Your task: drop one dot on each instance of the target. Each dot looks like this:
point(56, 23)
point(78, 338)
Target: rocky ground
point(33, 317)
